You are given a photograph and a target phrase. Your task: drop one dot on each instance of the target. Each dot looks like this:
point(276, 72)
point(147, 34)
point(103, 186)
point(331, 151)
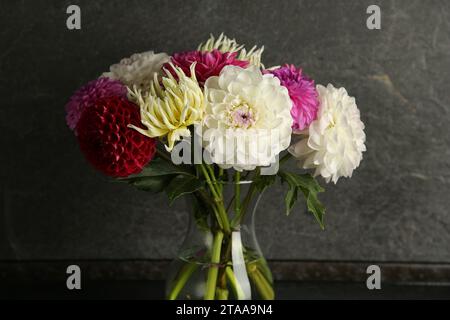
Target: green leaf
point(156, 175)
point(152, 184)
point(264, 181)
point(181, 185)
point(200, 214)
point(306, 181)
point(291, 198)
point(160, 167)
point(309, 187)
point(314, 206)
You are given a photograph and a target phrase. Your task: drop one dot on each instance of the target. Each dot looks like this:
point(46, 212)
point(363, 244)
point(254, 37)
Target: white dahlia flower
point(138, 70)
point(247, 121)
point(334, 142)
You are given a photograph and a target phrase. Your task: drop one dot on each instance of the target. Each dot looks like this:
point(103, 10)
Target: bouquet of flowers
point(216, 126)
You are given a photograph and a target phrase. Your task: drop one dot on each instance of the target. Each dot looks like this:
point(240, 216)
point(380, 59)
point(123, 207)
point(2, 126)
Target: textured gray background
point(53, 205)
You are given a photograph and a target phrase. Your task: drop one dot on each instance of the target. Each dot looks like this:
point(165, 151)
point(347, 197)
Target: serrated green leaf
point(181, 185)
point(314, 206)
point(290, 199)
point(307, 181)
point(309, 187)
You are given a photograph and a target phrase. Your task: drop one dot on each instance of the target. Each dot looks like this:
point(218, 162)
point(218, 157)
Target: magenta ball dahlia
point(88, 95)
point(302, 92)
point(209, 63)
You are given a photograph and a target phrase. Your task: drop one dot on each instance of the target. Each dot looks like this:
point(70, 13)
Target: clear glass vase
point(216, 262)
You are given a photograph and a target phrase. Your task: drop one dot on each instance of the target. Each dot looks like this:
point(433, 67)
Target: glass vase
point(220, 262)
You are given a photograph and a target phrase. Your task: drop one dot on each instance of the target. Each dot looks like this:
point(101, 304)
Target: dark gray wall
point(53, 205)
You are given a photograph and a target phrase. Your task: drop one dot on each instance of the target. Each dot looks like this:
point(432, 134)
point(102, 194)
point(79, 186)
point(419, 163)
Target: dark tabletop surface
point(153, 290)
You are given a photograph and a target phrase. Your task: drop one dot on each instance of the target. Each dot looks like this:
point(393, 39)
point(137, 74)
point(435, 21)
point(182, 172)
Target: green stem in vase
point(254, 258)
point(242, 210)
point(237, 290)
point(223, 216)
point(225, 224)
point(237, 193)
point(208, 180)
point(265, 271)
point(220, 173)
point(262, 285)
point(214, 267)
point(213, 178)
point(220, 180)
point(221, 294)
point(207, 199)
point(218, 218)
point(230, 203)
point(182, 278)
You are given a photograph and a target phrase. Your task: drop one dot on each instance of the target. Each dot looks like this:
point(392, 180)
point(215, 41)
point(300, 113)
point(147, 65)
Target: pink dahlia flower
point(88, 95)
point(303, 94)
point(209, 63)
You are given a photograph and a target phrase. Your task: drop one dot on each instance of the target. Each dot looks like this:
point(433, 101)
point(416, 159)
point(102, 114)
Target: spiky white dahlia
point(247, 121)
point(138, 70)
point(168, 110)
point(334, 142)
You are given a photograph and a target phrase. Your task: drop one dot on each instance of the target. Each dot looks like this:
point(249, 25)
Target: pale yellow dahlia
point(168, 110)
point(225, 44)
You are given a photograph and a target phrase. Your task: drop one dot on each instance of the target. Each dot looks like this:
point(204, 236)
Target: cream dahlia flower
point(168, 111)
point(247, 121)
point(225, 44)
point(334, 142)
point(139, 69)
